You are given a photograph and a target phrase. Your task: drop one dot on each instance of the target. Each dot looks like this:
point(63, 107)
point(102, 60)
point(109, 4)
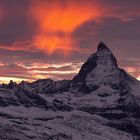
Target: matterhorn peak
point(100, 69)
point(105, 56)
point(102, 46)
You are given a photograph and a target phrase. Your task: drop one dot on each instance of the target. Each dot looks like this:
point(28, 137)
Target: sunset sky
point(52, 38)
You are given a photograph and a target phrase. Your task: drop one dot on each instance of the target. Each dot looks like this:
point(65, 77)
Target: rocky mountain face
point(43, 86)
point(101, 102)
point(101, 68)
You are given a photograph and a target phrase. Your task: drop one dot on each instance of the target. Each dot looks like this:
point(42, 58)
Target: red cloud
point(54, 17)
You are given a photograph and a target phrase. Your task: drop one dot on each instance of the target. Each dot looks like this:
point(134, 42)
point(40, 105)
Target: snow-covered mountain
point(101, 68)
point(43, 86)
point(102, 102)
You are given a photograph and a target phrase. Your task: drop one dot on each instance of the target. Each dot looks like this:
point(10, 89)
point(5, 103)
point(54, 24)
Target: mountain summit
point(101, 68)
point(105, 56)
point(102, 46)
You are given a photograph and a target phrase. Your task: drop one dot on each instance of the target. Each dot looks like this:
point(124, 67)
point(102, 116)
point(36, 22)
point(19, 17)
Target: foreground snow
point(35, 123)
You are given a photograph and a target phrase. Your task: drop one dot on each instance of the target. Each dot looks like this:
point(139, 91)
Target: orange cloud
point(57, 17)
point(54, 17)
point(53, 43)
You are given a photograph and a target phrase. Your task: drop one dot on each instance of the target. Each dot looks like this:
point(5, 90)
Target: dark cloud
point(15, 29)
point(13, 70)
point(108, 29)
point(58, 76)
point(15, 25)
point(62, 68)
